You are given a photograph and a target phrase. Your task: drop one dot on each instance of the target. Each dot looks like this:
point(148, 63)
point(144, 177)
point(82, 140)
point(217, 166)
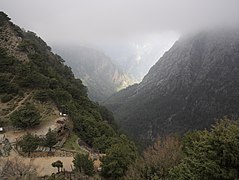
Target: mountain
point(97, 71)
point(32, 78)
point(193, 84)
point(138, 54)
point(50, 108)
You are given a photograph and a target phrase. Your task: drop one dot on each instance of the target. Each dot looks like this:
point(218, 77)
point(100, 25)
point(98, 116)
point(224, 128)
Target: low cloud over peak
point(74, 20)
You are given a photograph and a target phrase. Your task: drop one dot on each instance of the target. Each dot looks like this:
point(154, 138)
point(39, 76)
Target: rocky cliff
point(97, 71)
point(192, 85)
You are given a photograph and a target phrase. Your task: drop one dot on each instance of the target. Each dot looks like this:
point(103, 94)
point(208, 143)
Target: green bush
point(83, 164)
point(6, 98)
point(210, 154)
point(29, 143)
point(42, 95)
point(24, 45)
point(118, 158)
point(27, 116)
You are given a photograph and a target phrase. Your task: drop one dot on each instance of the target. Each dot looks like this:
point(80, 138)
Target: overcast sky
point(119, 21)
point(79, 20)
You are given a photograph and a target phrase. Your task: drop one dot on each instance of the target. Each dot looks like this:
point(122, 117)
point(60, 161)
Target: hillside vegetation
point(207, 154)
point(44, 75)
point(35, 85)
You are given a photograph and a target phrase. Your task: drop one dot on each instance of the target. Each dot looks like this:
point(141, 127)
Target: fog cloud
point(85, 20)
point(134, 33)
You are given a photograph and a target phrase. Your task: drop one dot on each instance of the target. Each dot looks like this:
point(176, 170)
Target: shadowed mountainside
point(97, 71)
point(193, 84)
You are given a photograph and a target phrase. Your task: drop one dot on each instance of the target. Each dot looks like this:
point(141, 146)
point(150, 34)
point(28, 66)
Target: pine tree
point(83, 164)
point(51, 139)
point(58, 164)
point(29, 143)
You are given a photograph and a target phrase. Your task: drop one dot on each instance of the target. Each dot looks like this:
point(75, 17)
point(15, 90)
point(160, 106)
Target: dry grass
point(47, 110)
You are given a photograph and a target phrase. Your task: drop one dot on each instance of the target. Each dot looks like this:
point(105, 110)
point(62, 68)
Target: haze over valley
point(119, 90)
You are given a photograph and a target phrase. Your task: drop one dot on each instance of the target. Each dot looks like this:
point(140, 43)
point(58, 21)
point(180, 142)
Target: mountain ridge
point(184, 89)
point(97, 71)
point(30, 73)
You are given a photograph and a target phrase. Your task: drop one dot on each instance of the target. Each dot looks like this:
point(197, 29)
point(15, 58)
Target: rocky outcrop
point(10, 40)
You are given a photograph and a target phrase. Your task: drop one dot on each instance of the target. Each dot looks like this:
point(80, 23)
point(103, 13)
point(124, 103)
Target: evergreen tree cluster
point(205, 154)
point(29, 143)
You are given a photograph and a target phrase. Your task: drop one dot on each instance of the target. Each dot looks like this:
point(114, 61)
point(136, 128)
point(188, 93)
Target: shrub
point(41, 95)
point(6, 98)
point(26, 116)
point(83, 164)
point(210, 154)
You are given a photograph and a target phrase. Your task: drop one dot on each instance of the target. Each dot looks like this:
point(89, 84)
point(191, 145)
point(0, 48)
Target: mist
point(75, 20)
point(129, 31)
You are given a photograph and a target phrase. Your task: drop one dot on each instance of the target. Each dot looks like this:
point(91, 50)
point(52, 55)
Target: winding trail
point(19, 104)
point(40, 130)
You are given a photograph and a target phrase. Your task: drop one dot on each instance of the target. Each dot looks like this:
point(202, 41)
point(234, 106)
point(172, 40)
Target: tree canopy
point(157, 160)
point(51, 139)
point(29, 143)
point(204, 154)
point(118, 158)
point(83, 164)
point(27, 116)
point(58, 164)
point(210, 154)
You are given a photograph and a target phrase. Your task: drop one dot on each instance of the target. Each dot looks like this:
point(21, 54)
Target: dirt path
point(81, 147)
point(45, 167)
point(44, 127)
point(39, 130)
point(12, 78)
point(43, 164)
point(19, 104)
